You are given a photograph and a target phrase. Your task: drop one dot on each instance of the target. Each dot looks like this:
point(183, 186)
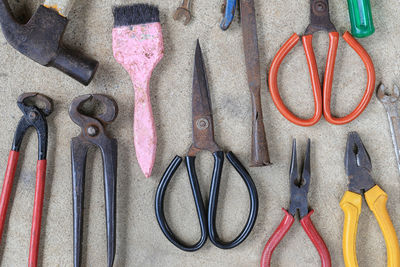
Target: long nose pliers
point(35, 117)
point(358, 169)
point(320, 21)
point(299, 186)
point(93, 133)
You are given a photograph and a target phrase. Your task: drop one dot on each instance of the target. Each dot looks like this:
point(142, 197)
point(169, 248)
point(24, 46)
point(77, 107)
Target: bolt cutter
point(33, 117)
point(320, 21)
point(358, 168)
point(299, 186)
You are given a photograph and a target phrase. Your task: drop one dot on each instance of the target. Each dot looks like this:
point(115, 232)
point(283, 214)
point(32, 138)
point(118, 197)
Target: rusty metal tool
point(34, 117)
point(259, 145)
point(203, 139)
point(93, 133)
point(184, 11)
point(390, 102)
point(299, 185)
point(320, 21)
point(40, 39)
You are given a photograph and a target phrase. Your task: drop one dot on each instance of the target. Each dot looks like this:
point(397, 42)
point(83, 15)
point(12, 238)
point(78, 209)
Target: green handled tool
point(361, 21)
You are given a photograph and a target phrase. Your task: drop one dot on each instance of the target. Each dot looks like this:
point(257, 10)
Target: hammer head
point(41, 40)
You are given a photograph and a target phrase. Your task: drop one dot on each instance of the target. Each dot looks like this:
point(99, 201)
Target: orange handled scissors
point(320, 21)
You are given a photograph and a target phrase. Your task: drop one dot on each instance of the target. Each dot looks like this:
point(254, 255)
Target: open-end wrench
point(183, 11)
point(390, 104)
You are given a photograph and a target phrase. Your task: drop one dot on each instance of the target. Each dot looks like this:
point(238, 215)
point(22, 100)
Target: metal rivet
point(92, 131)
point(202, 124)
point(32, 115)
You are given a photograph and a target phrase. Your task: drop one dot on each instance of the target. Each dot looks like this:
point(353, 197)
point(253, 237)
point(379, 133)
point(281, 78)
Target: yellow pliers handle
point(351, 205)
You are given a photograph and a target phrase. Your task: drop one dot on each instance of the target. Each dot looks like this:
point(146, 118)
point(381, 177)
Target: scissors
point(203, 139)
point(320, 21)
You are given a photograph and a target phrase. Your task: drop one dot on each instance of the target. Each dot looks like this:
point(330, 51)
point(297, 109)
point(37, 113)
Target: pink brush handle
point(139, 49)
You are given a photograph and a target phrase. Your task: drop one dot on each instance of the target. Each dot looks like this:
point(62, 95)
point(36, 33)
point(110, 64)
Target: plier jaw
point(358, 164)
point(229, 13)
point(299, 184)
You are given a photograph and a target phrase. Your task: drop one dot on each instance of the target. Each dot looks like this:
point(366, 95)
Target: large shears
point(320, 21)
point(203, 139)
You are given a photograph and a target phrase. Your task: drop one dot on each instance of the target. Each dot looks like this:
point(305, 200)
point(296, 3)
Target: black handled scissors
point(203, 139)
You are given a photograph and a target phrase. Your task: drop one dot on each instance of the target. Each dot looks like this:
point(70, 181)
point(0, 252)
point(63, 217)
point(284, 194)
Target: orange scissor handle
point(322, 103)
point(369, 91)
point(316, 85)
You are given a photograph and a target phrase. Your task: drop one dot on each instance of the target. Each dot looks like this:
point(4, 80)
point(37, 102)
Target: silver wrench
point(390, 104)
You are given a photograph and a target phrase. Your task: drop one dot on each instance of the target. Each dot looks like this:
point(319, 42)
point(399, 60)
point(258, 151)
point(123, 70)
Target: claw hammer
point(40, 39)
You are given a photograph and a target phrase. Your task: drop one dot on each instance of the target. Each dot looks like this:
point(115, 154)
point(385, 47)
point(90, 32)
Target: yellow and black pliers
point(358, 169)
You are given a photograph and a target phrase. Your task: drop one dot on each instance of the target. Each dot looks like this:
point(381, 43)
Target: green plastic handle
point(361, 21)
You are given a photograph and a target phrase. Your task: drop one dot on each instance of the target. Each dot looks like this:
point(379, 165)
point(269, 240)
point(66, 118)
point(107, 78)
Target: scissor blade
point(201, 104)
point(203, 129)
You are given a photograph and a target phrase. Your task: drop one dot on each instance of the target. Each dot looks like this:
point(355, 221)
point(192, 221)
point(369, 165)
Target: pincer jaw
point(23, 104)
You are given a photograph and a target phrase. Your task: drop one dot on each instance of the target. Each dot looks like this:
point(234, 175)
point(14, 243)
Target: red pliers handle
point(322, 99)
point(281, 231)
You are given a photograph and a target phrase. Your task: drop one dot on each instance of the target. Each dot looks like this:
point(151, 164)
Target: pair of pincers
point(34, 116)
point(93, 133)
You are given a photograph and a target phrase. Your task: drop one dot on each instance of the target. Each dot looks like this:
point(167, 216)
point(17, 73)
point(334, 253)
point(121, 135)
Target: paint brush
point(138, 47)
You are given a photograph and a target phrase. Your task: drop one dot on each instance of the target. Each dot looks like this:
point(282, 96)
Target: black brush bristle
point(135, 14)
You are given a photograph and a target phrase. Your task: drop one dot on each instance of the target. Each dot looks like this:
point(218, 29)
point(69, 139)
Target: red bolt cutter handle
point(322, 103)
point(37, 207)
point(282, 230)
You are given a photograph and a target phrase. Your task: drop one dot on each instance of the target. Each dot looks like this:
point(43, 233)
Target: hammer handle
point(63, 7)
point(75, 65)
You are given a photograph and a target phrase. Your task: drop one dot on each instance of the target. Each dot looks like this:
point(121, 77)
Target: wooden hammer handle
point(62, 6)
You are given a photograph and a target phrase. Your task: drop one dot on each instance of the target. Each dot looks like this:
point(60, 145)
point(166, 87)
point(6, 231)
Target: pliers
point(320, 21)
point(358, 168)
point(299, 186)
point(35, 117)
point(93, 133)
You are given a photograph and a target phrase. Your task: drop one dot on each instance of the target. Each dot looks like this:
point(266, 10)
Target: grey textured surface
point(139, 240)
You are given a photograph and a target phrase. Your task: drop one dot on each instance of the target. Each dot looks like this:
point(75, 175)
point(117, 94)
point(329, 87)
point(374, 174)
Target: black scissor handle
point(213, 202)
point(201, 213)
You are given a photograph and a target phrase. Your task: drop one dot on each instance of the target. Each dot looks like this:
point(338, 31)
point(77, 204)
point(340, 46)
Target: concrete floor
point(139, 239)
